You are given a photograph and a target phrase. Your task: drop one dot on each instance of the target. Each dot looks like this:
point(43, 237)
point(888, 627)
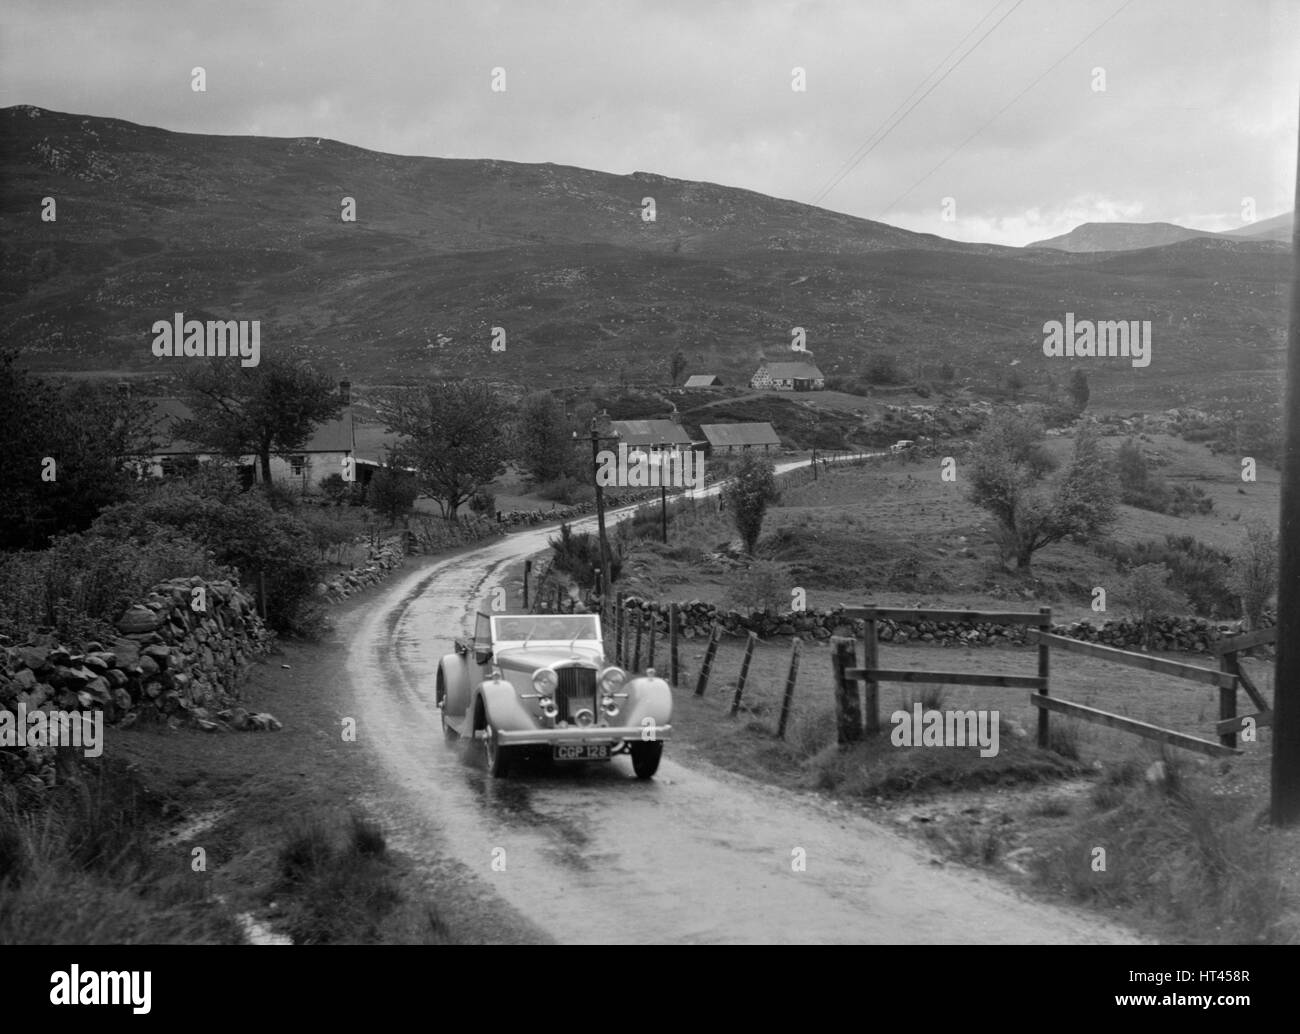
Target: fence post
point(650, 647)
point(871, 659)
point(709, 651)
point(618, 632)
point(673, 671)
point(528, 569)
point(1044, 669)
point(788, 699)
point(744, 673)
point(1228, 697)
point(848, 714)
point(636, 653)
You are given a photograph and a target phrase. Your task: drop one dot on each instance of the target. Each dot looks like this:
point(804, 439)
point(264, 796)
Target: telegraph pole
point(1285, 809)
point(600, 512)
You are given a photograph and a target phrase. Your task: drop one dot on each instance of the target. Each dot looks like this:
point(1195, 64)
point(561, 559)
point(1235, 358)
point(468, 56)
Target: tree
point(752, 487)
point(1008, 479)
point(1254, 572)
point(66, 454)
point(392, 491)
point(264, 410)
point(544, 441)
point(1079, 390)
point(675, 366)
point(454, 434)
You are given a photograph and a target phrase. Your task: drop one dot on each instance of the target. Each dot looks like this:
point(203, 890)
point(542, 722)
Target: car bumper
point(610, 734)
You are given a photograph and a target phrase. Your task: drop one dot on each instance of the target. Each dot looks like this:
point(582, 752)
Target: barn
point(798, 376)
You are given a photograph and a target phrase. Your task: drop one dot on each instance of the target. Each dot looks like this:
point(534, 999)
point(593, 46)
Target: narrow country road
point(592, 855)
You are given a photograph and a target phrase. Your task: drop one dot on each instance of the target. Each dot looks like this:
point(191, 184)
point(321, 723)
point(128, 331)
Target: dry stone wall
point(179, 656)
point(1191, 635)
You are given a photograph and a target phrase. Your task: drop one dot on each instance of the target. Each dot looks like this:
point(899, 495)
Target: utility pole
point(1285, 808)
point(600, 511)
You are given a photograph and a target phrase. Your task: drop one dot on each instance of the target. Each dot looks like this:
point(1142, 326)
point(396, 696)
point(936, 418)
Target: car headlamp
point(545, 681)
point(612, 679)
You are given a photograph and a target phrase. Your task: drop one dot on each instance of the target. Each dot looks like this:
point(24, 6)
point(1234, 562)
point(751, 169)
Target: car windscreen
point(538, 627)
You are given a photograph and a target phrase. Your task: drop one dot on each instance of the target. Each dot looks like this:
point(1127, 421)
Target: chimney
point(345, 392)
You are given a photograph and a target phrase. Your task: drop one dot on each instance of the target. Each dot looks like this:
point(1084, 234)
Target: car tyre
point(645, 758)
point(496, 756)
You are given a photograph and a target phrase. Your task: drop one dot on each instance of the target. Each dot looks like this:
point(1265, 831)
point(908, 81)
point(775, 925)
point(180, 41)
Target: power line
point(828, 185)
point(856, 159)
point(1050, 69)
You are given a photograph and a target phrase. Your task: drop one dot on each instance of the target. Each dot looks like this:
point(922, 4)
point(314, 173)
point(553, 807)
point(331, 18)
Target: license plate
point(581, 752)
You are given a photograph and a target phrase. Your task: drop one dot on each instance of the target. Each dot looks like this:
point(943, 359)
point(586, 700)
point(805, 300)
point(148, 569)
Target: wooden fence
point(851, 725)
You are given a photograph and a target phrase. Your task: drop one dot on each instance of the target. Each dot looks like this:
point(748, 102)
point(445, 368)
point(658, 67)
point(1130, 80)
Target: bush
point(83, 582)
point(565, 491)
point(1199, 571)
point(391, 493)
point(334, 488)
point(243, 533)
point(483, 501)
point(883, 369)
point(1149, 597)
point(578, 556)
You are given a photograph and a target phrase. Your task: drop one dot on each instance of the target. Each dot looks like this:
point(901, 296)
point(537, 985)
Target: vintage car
point(539, 684)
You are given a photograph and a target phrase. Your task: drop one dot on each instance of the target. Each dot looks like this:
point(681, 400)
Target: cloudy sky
point(1198, 111)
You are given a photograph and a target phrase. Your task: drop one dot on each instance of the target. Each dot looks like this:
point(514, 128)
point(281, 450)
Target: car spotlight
point(584, 718)
point(548, 707)
point(610, 706)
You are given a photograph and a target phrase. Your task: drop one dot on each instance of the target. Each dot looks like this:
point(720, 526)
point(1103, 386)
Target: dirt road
point(592, 855)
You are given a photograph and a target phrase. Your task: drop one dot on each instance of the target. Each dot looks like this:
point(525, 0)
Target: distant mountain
point(151, 222)
point(1132, 236)
point(1118, 237)
point(1279, 228)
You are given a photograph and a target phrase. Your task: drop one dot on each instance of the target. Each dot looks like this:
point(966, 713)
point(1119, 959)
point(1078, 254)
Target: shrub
point(1150, 598)
point(391, 493)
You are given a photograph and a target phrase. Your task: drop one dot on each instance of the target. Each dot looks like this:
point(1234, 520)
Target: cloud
point(1199, 107)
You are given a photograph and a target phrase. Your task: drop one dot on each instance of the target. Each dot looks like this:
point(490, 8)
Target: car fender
point(503, 708)
point(454, 685)
point(647, 697)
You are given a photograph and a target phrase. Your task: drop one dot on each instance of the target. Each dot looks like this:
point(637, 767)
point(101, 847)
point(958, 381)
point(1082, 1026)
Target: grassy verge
point(78, 866)
point(1187, 858)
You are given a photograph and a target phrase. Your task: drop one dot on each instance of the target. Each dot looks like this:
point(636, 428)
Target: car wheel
point(645, 758)
point(447, 730)
point(494, 754)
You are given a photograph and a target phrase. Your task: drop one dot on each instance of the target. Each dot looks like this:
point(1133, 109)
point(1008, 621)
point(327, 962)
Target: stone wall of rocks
point(383, 559)
point(695, 618)
point(179, 656)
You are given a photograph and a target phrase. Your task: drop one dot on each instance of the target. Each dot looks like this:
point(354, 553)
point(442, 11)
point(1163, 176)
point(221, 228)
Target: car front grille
point(575, 690)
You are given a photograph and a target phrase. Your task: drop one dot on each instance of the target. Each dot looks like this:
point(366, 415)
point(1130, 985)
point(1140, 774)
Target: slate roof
point(333, 436)
point(650, 432)
point(702, 380)
point(739, 434)
point(793, 371)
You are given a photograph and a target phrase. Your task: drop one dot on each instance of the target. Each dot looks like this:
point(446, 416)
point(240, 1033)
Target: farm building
point(703, 380)
point(730, 437)
point(651, 435)
point(330, 450)
point(801, 376)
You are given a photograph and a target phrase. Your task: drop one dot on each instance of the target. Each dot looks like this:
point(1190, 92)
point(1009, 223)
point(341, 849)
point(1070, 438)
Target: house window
point(297, 465)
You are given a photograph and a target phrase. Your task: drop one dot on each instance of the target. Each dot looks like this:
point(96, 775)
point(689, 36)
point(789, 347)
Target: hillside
point(1088, 237)
point(152, 222)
